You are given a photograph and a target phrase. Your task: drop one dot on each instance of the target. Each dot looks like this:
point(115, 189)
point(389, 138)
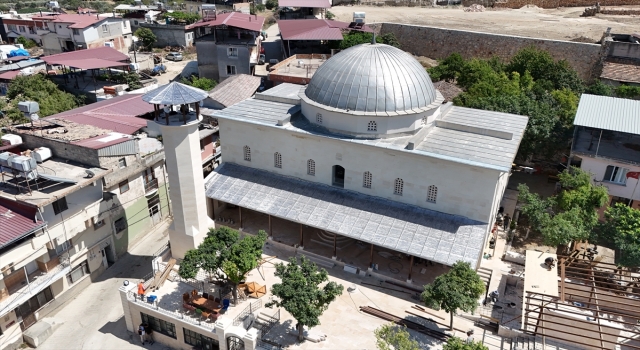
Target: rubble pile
point(474, 8)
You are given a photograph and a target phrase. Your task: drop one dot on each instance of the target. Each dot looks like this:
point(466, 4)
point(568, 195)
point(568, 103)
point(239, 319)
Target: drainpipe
point(166, 184)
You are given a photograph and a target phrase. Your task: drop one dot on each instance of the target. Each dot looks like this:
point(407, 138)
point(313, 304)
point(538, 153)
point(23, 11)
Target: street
point(94, 318)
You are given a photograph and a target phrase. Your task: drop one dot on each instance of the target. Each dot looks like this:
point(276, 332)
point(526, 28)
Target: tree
point(622, 228)
point(133, 80)
point(460, 288)
point(200, 83)
point(272, 4)
point(41, 89)
point(300, 293)
point(356, 38)
point(146, 36)
point(599, 88)
point(393, 337)
point(455, 343)
point(27, 43)
point(329, 15)
point(224, 256)
point(571, 215)
point(183, 17)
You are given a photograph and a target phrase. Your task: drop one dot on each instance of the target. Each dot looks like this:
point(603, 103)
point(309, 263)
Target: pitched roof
point(120, 114)
point(609, 113)
point(314, 29)
point(16, 221)
point(628, 72)
point(174, 94)
point(77, 21)
point(234, 19)
point(100, 53)
point(235, 89)
point(324, 4)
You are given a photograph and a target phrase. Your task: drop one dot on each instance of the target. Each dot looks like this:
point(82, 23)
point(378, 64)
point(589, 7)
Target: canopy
point(9, 75)
point(175, 94)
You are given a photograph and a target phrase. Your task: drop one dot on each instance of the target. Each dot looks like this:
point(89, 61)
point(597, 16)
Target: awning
point(93, 63)
point(10, 74)
point(404, 228)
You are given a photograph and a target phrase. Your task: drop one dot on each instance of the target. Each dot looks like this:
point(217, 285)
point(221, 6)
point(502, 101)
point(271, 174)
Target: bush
point(599, 88)
point(146, 36)
point(272, 4)
point(330, 15)
point(260, 7)
point(627, 91)
point(200, 83)
point(27, 43)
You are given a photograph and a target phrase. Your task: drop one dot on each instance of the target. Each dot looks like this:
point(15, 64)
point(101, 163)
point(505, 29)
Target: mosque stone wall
point(438, 43)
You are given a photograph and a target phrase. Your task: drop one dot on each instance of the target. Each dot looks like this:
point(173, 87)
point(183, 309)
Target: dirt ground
point(558, 24)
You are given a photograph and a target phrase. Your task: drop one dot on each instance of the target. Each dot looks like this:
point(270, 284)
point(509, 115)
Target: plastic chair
point(199, 312)
point(205, 295)
point(225, 304)
point(214, 316)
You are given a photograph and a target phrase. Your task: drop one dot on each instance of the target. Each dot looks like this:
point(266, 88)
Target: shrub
point(27, 43)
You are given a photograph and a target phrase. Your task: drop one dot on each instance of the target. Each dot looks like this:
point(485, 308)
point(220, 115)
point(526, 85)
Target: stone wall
point(547, 4)
point(438, 43)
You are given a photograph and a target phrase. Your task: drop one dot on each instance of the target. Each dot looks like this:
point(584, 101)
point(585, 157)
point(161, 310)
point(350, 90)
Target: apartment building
point(16, 27)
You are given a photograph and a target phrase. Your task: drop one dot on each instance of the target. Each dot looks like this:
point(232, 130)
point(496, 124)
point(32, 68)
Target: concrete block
point(41, 331)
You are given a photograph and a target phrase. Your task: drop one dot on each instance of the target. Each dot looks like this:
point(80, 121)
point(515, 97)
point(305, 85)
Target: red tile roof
point(76, 21)
point(314, 29)
point(101, 53)
point(234, 19)
point(16, 221)
point(120, 114)
point(324, 4)
point(627, 71)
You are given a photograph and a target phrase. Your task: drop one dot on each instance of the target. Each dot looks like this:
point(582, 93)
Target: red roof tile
point(314, 29)
point(324, 4)
point(101, 53)
point(16, 221)
point(76, 21)
point(120, 114)
point(626, 71)
point(234, 19)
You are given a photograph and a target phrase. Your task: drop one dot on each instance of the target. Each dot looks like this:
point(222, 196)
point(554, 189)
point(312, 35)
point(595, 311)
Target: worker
point(141, 289)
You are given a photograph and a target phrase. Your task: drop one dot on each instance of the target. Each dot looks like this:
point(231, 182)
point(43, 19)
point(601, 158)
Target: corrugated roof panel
point(323, 4)
point(16, 221)
point(609, 113)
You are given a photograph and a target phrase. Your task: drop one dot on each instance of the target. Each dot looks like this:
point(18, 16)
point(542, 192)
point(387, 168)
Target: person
point(470, 336)
point(141, 289)
point(149, 332)
point(141, 333)
point(506, 221)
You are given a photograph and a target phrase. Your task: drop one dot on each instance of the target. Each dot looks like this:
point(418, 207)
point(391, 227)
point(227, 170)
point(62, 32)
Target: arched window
point(247, 153)
point(277, 160)
point(311, 167)
point(319, 118)
point(372, 126)
point(398, 187)
point(366, 180)
point(432, 194)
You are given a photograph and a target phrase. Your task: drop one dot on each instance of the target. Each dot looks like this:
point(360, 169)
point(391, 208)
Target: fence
point(244, 315)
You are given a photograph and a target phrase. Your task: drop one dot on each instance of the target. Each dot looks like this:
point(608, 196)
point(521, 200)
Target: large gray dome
point(372, 78)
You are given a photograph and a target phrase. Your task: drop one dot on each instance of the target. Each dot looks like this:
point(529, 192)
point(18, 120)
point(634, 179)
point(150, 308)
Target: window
point(616, 174)
point(319, 118)
point(63, 247)
point(199, 340)
point(366, 181)
point(202, 145)
point(122, 163)
point(311, 167)
point(76, 32)
point(60, 205)
point(372, 126)
point(120, 224)
point(34, 304)
point(247, 153)
point(277, 160)
point(22, 29)
point(398, 187)
point(135, 23)
point(105, 28)
point(78, 272)
point(432, 194)
point(124, 24)
point(231, 70)
point(160, 326)
point(124, 186)
point(232, 52)
point(32, 30)
point(97, 224)
point(12, 27)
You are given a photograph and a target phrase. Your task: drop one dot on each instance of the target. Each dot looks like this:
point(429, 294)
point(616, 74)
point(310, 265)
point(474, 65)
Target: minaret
point(177, 112)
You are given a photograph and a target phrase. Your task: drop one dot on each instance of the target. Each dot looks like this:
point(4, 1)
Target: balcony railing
point(150, 185)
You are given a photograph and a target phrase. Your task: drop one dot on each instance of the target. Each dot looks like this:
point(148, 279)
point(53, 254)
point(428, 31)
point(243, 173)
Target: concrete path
point(94, 318)
point(272, 48)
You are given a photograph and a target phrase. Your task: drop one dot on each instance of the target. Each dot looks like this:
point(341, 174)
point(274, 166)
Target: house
point(609, 148)
point(233, 47)
point(621, 63)
point(312, 35)
point(16, 27)
point(70, 32)
point(303, 9)
point(231, 91)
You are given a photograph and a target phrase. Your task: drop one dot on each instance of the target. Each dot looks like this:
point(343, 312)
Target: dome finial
point(373, 39)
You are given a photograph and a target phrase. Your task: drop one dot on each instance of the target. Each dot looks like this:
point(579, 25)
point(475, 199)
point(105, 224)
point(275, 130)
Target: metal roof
point(609, 113)
point(21, 64)
point(16, 221)
point(258, 111)
point(313, 29)
point(9, 75)
point(235, 89)
point(102, 53)
point(372, 78)
point(102, 141)
point(92, 63)
point(78, 21)
point(424, 233)
point(174, 94)
point(120, 114)
point(234, 19)
point(323, 4)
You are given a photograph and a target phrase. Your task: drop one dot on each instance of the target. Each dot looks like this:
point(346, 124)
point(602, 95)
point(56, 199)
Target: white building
point(606, 143)
point(367, 151)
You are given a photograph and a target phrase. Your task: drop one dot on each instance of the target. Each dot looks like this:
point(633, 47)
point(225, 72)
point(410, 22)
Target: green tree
point(300, 293)
point(146, 36)
point(628, 91)
point(329, 15)
point(393, 337)
point(27, 43)
point(133, 80)
point(182, 17)
point(622, 228)
point(571, 215)
point(39, 88)
point(200, 83)
point(224, 256)
point(599, 88)
point(272, 4)
point(455, 343)
point(460, 288)
point(356, 38)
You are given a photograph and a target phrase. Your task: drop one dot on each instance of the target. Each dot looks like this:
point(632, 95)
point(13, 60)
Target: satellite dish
point(90, 173)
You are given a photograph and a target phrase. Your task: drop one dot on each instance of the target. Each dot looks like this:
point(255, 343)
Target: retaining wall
point(547, 4)
point(438, 43)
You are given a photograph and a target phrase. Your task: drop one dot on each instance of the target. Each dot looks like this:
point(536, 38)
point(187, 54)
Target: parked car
point(261, 59)
point(174, 56)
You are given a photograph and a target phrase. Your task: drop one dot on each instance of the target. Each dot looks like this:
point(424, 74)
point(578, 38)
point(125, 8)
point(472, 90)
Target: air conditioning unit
point(109, 44)
point(10, 139)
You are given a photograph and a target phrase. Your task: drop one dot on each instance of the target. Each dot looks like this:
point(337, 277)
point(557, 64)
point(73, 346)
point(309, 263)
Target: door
point(104, 258)
point(154, 213)
point(109, 253)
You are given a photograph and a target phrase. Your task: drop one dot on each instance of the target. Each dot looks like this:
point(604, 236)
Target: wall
point(12, 335)
point(63, 150)
point(551, 4)
point(439, 43)
point(241, 62)
point(597, 168)
point(168, 35)
point(462, 190)
point(207, 60)
point(624, 50)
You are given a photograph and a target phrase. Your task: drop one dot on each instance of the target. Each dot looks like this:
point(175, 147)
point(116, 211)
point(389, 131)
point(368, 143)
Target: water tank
point(23, 163)
point(5, 159)
point(28, 107)
point(41, 154)
point(10, 139)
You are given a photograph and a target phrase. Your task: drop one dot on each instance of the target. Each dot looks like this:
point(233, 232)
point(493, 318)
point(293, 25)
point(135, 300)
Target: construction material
point(409, 324)
point(415, 289)
point(165, 274)
point(474, 8)
point(433, 321)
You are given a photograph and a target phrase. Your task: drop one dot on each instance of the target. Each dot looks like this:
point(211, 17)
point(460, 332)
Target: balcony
point(150, 186)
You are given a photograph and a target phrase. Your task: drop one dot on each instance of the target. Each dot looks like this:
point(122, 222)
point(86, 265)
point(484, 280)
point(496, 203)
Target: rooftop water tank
point(10, 139)
point(23, 163)
point(4, 159)
point(41, 154)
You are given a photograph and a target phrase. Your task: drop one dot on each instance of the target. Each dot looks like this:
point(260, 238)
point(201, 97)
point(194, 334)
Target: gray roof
point(235, 89)
point(424, 233)
point(609, 113)
point(372, 78)
point(258, 111)
point(174, 94)
point(21, 64)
